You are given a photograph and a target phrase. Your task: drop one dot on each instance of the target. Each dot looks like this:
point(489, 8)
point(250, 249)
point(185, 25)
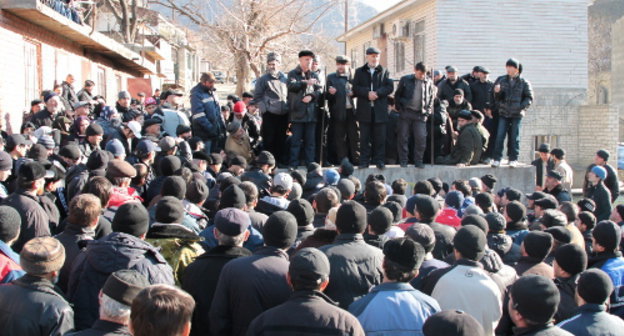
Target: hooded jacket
point(102, 257)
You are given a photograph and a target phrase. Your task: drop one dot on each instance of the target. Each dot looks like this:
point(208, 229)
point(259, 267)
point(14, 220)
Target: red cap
point(239, 107)
point(150, 101)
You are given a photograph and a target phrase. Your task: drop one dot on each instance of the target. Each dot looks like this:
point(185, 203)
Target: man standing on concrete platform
point(304, 93)
point(414, 100)
point(372, 85)
point(341, 107)
point(270, 94)
point(513, 95)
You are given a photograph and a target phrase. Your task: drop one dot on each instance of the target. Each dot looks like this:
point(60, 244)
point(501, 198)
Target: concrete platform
point(521, 177)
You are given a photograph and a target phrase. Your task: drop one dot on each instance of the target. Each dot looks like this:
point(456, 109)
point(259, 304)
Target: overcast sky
point(380, 5)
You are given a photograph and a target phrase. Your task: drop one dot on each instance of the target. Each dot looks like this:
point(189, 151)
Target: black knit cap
point(94, 129)
point(346, 187)
point(170, 165)
point(280, 230)
point(10, 223)
point(452, 323)
point(309, 267)
point(298, 177)
point(470, 241)
point(427, 206)
point(594, 286)
point(536, 195)
point(131, 218)
point(197, 191)
point(513, 194)
point(604, 154)
point(351, 217)
point(436, 183)
point(169, 210)
point(380, 219)
point(571, 258)
point(265, 158)
point(553, 217)
point(396, 209)
point(535, 297)
point(174, 186)
point(516, 211)
point(560, 234)
point(98, 159)
point(548, 202)
point(422, 234)
point(537, 244)
point(302, 210)
point(608, 235)
point(476, 220)
point(405, 252)
point(484, 200)
point(489, 180)
point(496, 222)
point(233, 197)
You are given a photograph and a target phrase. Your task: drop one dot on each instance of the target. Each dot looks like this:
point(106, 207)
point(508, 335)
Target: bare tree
point(126, 13)
point(248, 29)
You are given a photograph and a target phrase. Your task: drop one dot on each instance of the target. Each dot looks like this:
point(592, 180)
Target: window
point(32, 62)
point(399, 56)
point(552, 140)
point(101, 81)
point(603, 95)
point(354, 58)
point(419, 41)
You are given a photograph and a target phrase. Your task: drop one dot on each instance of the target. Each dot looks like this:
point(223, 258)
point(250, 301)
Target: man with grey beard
point(270, 95)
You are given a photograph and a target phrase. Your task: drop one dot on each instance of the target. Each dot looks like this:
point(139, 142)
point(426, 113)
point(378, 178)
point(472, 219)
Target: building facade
point(549, 38)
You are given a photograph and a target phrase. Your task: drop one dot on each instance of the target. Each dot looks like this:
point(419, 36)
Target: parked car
point(219, 76)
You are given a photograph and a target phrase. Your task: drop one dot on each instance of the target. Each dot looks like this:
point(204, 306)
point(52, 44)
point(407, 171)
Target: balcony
point(39, 13)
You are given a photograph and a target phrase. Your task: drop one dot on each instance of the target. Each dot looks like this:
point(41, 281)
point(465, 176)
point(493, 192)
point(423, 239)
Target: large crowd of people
point(147, 218)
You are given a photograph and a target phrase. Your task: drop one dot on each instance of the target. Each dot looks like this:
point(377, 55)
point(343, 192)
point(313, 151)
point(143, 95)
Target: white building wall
point(548, 37)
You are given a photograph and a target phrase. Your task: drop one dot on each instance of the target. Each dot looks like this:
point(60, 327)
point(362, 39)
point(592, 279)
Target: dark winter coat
point(338, 101)
point(355, 268)
point(601, 195)
point(306, 313)
point(368, 111)
point(69, 95)
point(42, 118)
point(206, 119)
point(530, 265)
point(104, 328)
point(102, 257)
point(541, 330)
point(247, 287)
point(405, 90)
point(35, 221)
point(611, 182)
point(200, 280)
point(593, 319)
point(446, 89)
point(550, 165)
point(34, 306)
point(298, 111)
point(515, 96)
point(468, 148)
point(560, 194)
point(481, 94)
point(567, 305)
point(71, 238)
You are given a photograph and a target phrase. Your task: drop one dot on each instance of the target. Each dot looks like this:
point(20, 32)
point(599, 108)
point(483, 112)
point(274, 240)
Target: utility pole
point(346, 23)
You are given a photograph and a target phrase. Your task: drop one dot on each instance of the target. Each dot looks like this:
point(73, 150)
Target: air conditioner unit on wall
point(405, 29)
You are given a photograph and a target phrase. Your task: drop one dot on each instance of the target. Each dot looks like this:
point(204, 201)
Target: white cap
point(283, 180)
point(135, 127)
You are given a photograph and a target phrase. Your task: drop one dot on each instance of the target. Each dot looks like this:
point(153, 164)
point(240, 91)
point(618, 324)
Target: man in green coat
point(469, 145)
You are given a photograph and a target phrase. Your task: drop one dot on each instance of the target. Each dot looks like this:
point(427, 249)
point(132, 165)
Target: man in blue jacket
point(206, 117)
point(607, 257)
point(593, 291)
point(379, 312)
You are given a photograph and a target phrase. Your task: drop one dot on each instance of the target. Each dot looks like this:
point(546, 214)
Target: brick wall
point(617, 79)
point(57, 57)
